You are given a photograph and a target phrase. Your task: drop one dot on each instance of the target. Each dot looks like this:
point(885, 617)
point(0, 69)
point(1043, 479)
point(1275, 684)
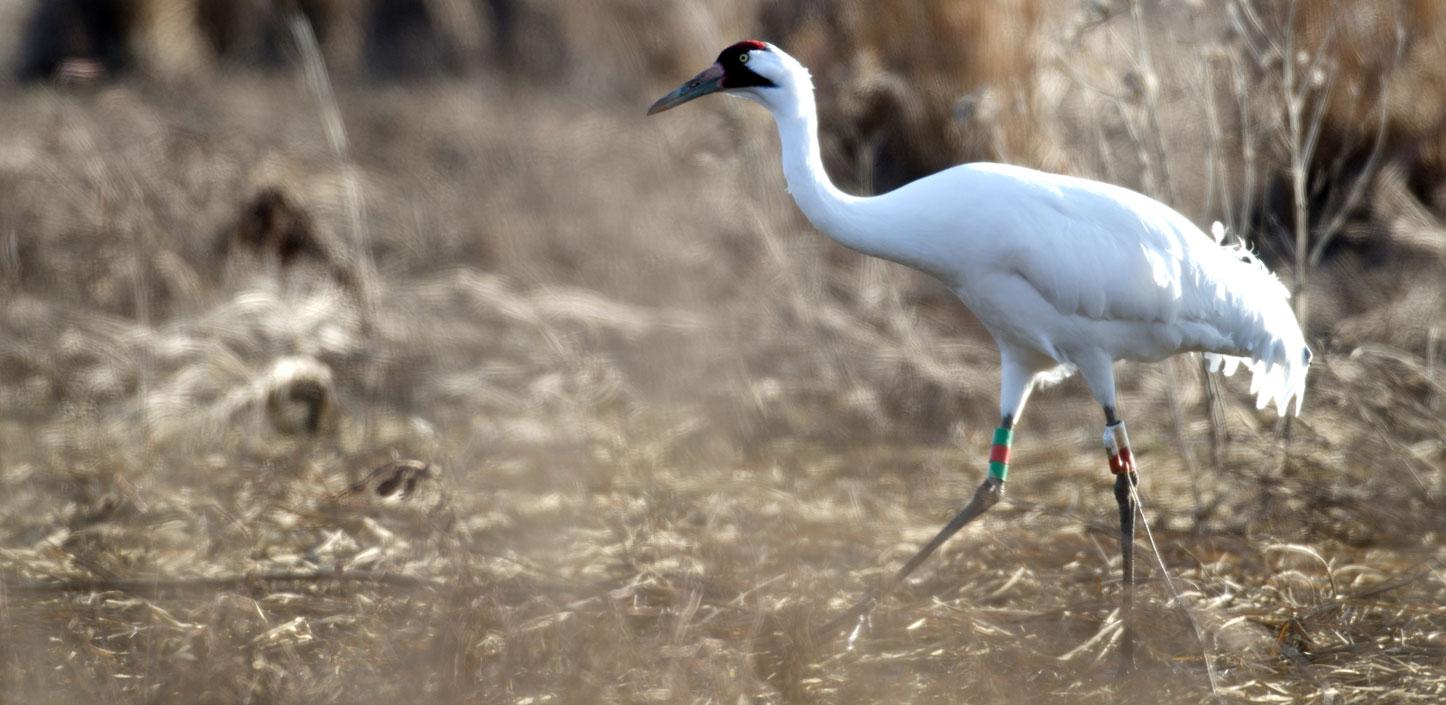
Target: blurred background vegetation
point(252, 250)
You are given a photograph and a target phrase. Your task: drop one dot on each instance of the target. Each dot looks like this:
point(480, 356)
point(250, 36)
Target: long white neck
point(842, 217)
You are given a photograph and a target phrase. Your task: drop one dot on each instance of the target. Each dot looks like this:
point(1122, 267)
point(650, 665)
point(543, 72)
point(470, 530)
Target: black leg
point(1127, 569)
point(1122, 464)
point(987, 495)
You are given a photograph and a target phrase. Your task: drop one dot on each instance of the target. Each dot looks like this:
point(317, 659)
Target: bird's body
point(1065, 273)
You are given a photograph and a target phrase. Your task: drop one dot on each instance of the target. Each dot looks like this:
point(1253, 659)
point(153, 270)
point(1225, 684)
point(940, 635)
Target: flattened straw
point(157, 583)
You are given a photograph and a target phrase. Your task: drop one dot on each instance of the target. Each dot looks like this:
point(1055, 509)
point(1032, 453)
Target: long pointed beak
point(709, 81)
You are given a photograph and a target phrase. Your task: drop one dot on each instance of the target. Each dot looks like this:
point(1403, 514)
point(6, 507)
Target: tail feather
point(1268, 335)
point(1272, 380)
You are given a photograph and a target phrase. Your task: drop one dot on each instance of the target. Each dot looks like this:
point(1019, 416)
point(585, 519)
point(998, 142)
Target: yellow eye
point(742, 58)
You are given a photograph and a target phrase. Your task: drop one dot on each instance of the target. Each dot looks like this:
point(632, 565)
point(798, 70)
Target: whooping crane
point(1066, 274)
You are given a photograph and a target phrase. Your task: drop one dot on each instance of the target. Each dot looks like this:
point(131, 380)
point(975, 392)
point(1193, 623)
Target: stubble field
point(673, 431)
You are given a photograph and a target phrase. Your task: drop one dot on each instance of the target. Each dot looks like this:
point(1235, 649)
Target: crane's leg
point(987, 495)
point(1122, 465)
point(1098, 372)
point(1016, 382)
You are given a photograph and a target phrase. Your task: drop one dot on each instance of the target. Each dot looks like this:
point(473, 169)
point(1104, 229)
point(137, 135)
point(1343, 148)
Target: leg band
point(1117, 445)
point(999, 453)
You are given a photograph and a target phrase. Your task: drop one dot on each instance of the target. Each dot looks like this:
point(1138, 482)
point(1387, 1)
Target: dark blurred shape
point(272, 224)
point(411, 37)
point(273, 228)
point(175, 38)
point(527, 40)
point(1347, 64)
point(60, 31)
point(254, 32)
point(396, 479)
point(66, 39)
point(300, 397)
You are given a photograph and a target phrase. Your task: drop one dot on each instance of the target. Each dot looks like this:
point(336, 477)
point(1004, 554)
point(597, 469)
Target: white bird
point(1066, 274)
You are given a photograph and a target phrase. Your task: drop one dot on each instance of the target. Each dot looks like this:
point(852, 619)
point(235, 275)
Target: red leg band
point(1122, 463)
point(999, 453)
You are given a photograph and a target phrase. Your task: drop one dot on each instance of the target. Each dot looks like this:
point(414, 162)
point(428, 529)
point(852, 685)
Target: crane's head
point(751, 69)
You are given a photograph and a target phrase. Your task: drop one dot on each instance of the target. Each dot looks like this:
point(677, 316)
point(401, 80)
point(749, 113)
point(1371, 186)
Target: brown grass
point(674, 429)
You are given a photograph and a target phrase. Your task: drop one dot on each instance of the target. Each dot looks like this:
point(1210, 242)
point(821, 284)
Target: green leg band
point(998, 470)
point(999, 453)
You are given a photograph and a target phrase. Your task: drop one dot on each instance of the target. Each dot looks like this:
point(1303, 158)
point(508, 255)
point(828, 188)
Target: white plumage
point(1065, 273)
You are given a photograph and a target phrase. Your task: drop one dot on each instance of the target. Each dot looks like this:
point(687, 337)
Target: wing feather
point(1107, 253)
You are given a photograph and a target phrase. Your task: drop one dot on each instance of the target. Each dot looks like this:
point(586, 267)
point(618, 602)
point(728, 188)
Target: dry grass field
point(670, 430)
